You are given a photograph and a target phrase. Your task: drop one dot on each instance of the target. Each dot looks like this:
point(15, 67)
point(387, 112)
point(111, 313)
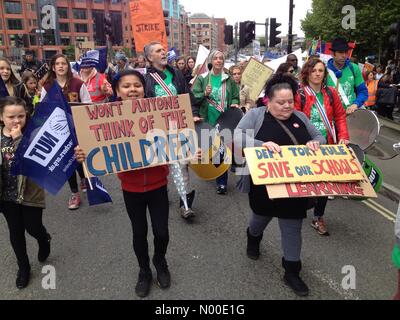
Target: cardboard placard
point(299, 164)
point(357, 189)
point(147, 23)
point(255, 75)
point(83, 47)
point(135, 134)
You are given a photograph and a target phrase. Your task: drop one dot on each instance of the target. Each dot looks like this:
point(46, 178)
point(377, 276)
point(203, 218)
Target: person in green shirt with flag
point(215, 91)
point(346, 77)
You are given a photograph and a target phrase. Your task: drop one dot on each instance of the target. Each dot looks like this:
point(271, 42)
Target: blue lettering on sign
point(45, 144)
point(89, 162)
point(143, 143)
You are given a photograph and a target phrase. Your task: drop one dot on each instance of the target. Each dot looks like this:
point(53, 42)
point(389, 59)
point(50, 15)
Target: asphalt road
point(93, 257)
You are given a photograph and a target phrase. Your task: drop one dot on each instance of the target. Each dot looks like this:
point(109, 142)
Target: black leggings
point(73, 183)
point(136, 204)
point(20, 218)
point(319, 209)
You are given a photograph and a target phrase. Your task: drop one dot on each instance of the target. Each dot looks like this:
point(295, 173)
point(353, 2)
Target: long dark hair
point(51, 76)
point(13, 79)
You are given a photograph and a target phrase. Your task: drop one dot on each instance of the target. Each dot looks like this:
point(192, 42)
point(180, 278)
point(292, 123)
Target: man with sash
point(163, 80)
point(346, 77)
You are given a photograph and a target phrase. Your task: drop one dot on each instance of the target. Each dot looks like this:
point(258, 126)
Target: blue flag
point(46, 151)
point(3, 88)
point(99, 193)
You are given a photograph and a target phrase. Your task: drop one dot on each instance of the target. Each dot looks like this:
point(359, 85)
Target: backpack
point(303, 96)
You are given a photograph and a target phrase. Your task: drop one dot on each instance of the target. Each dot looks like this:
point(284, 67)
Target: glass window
point(80, 27)
point(64, 27)
point(32, 39)
point(13, 7)
point(65, 41)
point(62, 13)
point(79, 14)
point(15, 24)
point(1, 40)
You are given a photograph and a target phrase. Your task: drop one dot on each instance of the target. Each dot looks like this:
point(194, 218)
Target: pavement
point(93, 257)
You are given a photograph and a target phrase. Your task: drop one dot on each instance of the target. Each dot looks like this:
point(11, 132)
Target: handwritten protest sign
point(300, 164)
point(147, 23)
point(83, 47)
point(255, 76)
point(355, 189)
point(135, 134)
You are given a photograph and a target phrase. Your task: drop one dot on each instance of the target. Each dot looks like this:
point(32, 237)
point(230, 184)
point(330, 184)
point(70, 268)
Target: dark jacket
point(178, 80)
point(29, 193)
point(386, 95)
point(33, 66)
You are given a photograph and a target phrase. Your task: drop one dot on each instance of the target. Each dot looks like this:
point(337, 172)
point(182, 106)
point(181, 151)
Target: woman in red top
point(142, 189)
point(312, 98)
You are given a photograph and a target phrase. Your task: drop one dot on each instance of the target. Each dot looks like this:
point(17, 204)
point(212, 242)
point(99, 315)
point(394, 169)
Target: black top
point(293, 208)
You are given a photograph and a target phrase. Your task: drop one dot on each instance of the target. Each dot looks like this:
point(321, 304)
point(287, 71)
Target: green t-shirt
point(160, 92)
point(348, 82)
point(315, 116)
point(216, 84)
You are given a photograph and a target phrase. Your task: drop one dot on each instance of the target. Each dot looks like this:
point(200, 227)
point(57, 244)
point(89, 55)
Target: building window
point(81, 39)
point(98, 1)
point(80, 27)
point(65, 41)
point(32, 7)
point(15, 24)
point(13, 7)
point(64, 27)
point(62, 13)
point(79, 14)
point(32, 39)
point(1, 40)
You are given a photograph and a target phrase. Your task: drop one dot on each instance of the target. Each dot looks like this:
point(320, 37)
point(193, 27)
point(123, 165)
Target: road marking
point(377, 207)
point(390, 213)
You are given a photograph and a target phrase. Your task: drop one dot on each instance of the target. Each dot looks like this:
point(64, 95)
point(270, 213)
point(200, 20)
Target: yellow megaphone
point(214, 162)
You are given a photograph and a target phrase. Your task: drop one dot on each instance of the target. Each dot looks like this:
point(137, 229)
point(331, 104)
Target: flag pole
point(86, 173)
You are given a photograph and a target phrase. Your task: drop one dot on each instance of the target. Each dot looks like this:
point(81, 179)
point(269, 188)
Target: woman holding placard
point(273, 126)
point(142, 189)
point(322, 105)
point(215, 93)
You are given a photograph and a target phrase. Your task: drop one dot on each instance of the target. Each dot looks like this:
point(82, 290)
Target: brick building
point(78, 21)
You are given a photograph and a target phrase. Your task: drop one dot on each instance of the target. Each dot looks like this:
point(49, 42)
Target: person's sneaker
point(44, 249)
point(143, 284)
point(331, 198)
point(74, 202)
point(23, 277)
point(82, 185)
point(320, 225)
point(187, 214)
point(221, 190)
point(163, 275)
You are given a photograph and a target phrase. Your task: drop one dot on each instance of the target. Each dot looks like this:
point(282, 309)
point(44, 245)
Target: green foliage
point(70, 52)
point(373, 18)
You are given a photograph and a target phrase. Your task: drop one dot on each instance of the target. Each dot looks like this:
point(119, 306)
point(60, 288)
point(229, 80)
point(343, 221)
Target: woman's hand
point(313, 145)
point(16, 132)
point(344, 141)
point(272, 146)
point(208, 91)
point(198, 154)
point(235, 106)
point(79, 154)
point(197, 119)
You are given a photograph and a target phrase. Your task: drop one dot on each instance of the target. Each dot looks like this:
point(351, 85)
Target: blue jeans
point(223, 179)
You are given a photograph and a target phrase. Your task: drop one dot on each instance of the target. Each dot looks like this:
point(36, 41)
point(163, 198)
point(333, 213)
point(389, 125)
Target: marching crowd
point(305, 106)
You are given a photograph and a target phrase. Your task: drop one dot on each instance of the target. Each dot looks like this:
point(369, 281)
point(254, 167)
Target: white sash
point(339, 88)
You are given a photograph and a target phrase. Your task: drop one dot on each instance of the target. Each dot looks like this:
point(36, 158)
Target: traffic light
point(228, 32)
point(247, 33)
point(108, 27)
point(166, 21)
point(273, 33)
point(394, 35)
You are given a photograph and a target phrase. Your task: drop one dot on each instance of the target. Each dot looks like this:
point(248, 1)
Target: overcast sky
point(253, 10)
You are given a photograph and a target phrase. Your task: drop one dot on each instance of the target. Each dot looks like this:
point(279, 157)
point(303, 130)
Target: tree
point(373, 19)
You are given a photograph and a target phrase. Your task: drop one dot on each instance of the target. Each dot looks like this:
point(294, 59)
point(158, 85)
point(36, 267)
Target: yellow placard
point(255, 75)
point(300, 164)
point(135, 134)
